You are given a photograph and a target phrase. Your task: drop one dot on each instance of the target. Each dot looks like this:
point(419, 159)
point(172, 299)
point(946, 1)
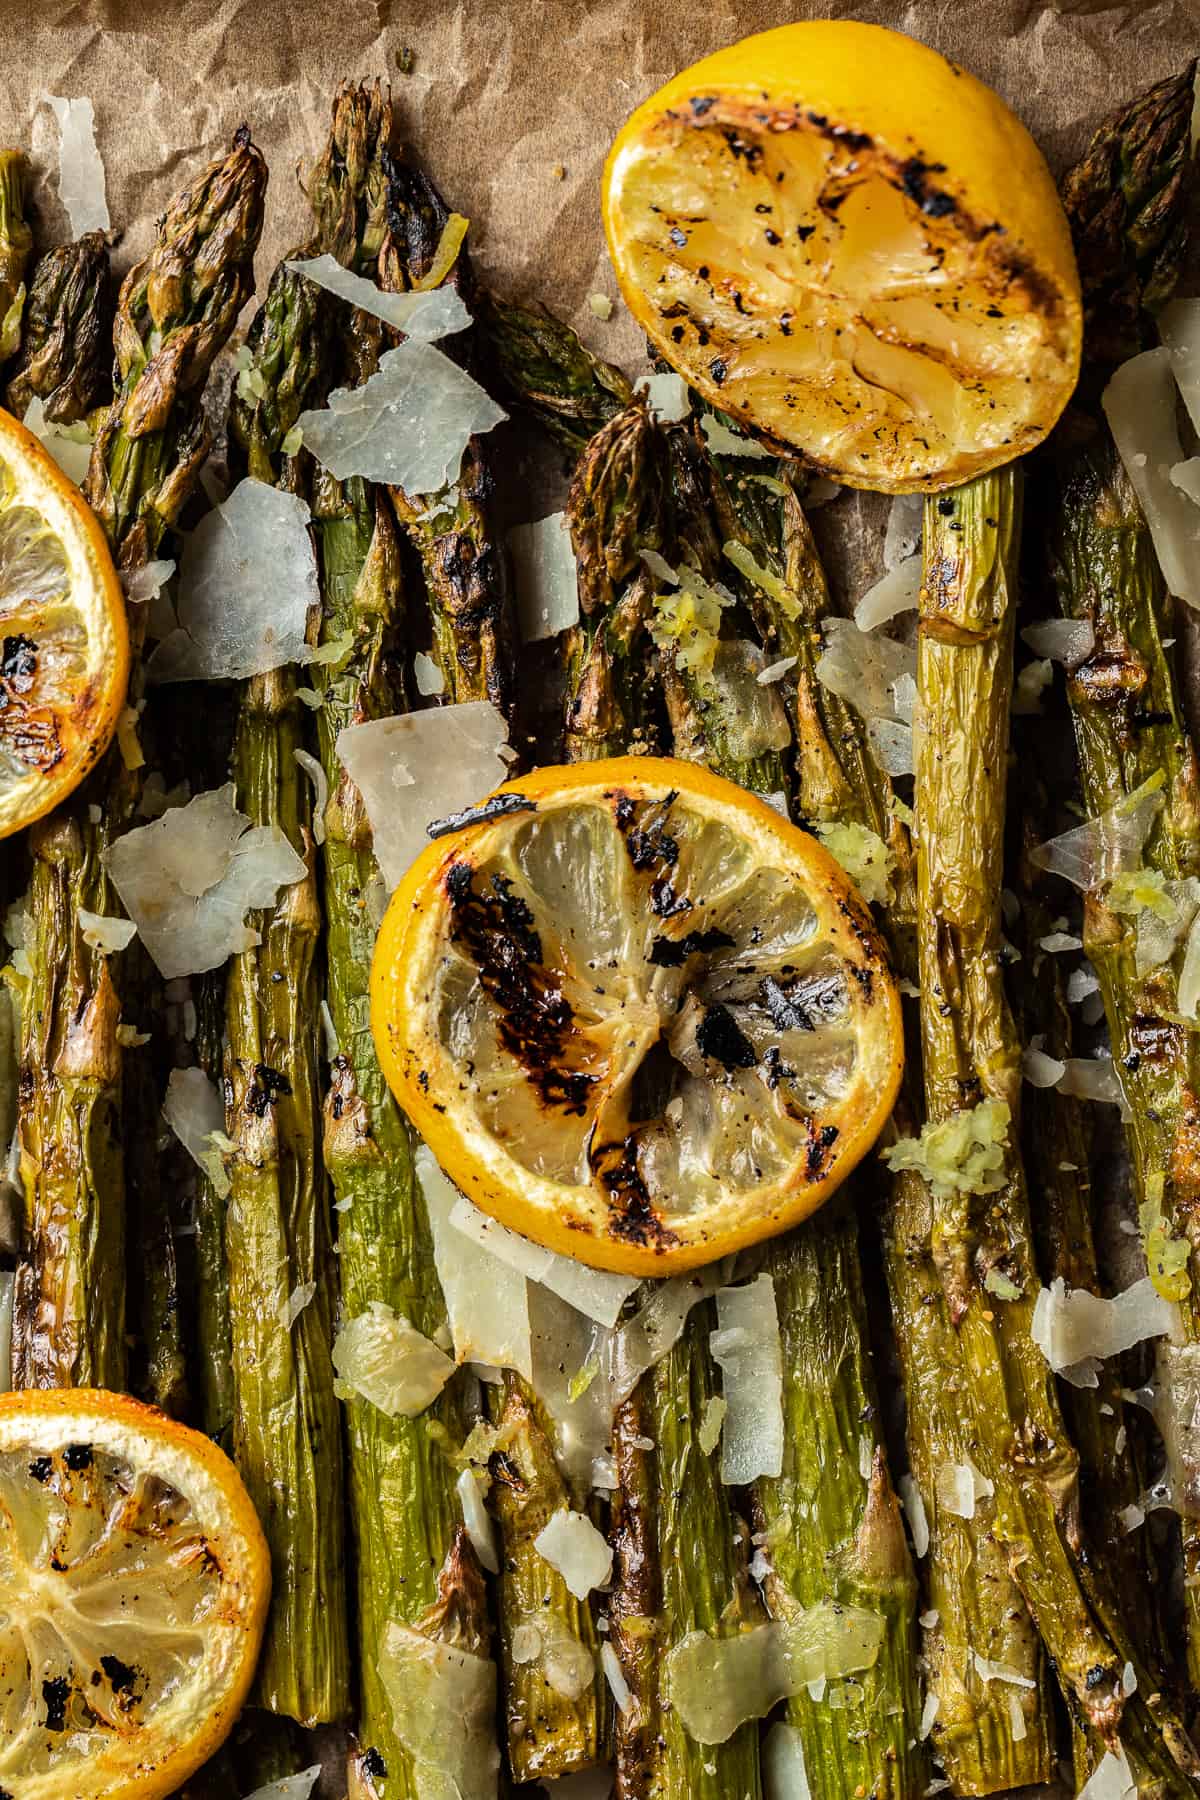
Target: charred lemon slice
point(64, 648)
point(854, 247)
point(635, 1014)
point(134, 1582)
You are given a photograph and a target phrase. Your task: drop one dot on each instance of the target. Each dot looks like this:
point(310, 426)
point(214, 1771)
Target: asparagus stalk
point(971, 1053)
point(474, 631)
point(65, 353)
point(282, 1288)
point(213, 1379)
point(542, 365)
point(16, 246)
point(1127, 204)
point(403, 1506)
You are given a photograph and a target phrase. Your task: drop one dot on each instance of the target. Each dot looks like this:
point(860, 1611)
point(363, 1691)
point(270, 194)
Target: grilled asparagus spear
point(404, 1510)
point(16, 245)
point(1128, 204)
point(65, 356)
point(282, 1289)
point(541, 364)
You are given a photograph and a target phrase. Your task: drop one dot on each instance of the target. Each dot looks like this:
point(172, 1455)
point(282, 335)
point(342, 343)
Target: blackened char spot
point(500, 806)
point(818, 1145)
point(18, 663)
point(265, 1088)
point(672, 953)
point(720, 1036)
point(632, 1217)
point(374, 1765)
point(78, 1456)
point(776, 1069)
point(41, 1468)
point(804, 232)
point(121, 1676)
point(537, 1021)
point(55, 1694)
point(30, 731)
point(652, 850)
point(933, 201)
point(784, 1014)
point(702, 103)
point(718, 368)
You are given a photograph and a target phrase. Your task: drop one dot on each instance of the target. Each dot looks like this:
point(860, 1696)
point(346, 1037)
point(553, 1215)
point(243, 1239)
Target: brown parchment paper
point(512, 105)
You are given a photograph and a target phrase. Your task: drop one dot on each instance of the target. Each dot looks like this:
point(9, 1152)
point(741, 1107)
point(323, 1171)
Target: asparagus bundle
point(16, 245)
point(1127, 201)
point(65, 354)
point(403, 1506)
point(282, 1291)
point(972, 1064)
point(175, 311)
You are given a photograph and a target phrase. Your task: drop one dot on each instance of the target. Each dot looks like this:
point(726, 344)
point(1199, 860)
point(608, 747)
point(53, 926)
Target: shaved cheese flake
point(960, 1487)
point(1071, 1324)
point(902, 539)
point(414, 767)
point(785, 1776)
point(1179, 327)
point(246, 584)
point(297, 1300)
point(896, 592)
point(748, 566)
point(195, 1112)
point(545, 582)
point(1096, 852)
point(443, 1703)
point(1016, 1718)
point(723, 440)
point(1186, 476)
point(1188, 997)
point(320, 781)
point(104, 933)
point(708, 1434)
point(80, 170)
point(1068, 641)
point(777, 670)
point(188, 879)
point(476, 1518)
point(1058, 941)
point(746, 1347)
point(998, 1671)
point(1040, 1070)
point(487, 1302)
point(614, 1675)
point(69, 445)
point(144, 585)
point(290, 1787)
point(596, 1293)
point(718, 1683)
point(565, 1665)
point(863, 668)
point(756, 721)
point(419, 314)
point(570, 1543)
point(964, 1154)
point(863, 854)
point(929, 1713)
point(667, 395)
point(1093, 1078)
point(407, 426)
point(914, 1512)
point(1139, 403)
point(1031, 683)
point(383, 1359)
point(642, 1341)
point(427, 675)
point(1112, 1779)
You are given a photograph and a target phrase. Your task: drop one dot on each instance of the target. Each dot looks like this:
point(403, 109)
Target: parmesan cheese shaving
point(247, 582)
point(487, 1303)
point(407, 426)
point(998, 1671)
point(1031, 683)
point(960, 1487)
point(477, 1520)
point(570, 1543)
point(1068, 641)
point(618, 1686)
point(914, 1512)
point(1071, 1325)
point(316, 774)
point(69, 445)
point(718, 1683)
point(1096, 852)
point(428, 675)
point(594, 1292)
point(896, 592)
point(1112, 1779)
point(929, 1713)
point(415, 767)
point(193, 1109)
point(1040, 1070)
point(667, 396)
point(545, 582)
point(566, 1665)
point(104, 933)
point(863, 668)
point(785, 1776)
point(902, 538)
point(746, 1347)
point(81, 186)
point(290, 1787)
point(188, 879)
point(1179, 327)
point(1139, 403)
point(420, 314)
point(383, 1359)
point(443, 1703)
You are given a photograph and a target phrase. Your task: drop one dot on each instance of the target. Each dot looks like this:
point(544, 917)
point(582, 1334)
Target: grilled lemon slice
point(853, 246)
point(64, 647)
point(636, 1015)
point(134, 1581)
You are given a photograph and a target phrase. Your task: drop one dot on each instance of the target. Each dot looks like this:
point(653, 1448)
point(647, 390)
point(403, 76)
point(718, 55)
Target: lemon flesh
point(853, 247)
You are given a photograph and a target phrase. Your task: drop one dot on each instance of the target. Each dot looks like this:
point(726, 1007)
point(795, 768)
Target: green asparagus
point(16, 246)
point(282, 1286)
point(541, 364)
point(66, 349)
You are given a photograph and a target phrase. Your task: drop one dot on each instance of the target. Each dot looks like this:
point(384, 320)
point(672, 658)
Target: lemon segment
point(64, 648)
point(642, 1020)
point(134, 1581)
point(854, 247)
